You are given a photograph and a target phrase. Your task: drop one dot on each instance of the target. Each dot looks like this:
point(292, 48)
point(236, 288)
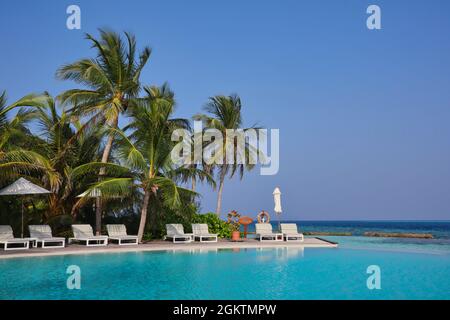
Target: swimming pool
point(226, 274)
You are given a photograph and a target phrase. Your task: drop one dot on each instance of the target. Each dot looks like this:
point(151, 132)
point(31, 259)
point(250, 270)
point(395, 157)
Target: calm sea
point(439, 229)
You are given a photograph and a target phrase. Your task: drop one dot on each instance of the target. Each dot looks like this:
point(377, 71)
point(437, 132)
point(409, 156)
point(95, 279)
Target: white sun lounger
point(201, 232)
point(175, 232)
point(264, 233)
point(118, 232)
point(290, 232)
point(9, 242)
point(43, 235)
point(84, 233)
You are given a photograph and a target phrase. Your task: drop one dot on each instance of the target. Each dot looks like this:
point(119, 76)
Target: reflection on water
point(195, 250)
point(282, 253)
point(262, 254)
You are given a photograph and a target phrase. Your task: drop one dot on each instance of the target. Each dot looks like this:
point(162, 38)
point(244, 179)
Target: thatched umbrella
point(22, 187)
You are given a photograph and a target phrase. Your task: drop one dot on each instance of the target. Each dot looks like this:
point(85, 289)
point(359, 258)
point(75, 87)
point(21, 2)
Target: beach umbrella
point(277, 200)
point(22, 187)
point(94, 193)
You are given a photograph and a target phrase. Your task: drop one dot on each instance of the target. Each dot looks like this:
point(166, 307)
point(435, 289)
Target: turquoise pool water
point(225, 274)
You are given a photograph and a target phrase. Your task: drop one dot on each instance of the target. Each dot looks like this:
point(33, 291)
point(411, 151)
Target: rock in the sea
point(399, 235)
point(319, 233)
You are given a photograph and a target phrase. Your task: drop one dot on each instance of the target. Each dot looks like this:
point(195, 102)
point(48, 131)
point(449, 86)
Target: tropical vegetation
point(104, 149)
point(224, 113)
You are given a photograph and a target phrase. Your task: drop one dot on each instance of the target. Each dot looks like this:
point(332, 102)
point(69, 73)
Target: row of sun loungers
point(83, 233)
point(288, 232)
point(200, 232)
point(264, 232)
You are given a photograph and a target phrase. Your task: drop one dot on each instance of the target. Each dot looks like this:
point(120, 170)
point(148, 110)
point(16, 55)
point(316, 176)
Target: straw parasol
point(22, 187)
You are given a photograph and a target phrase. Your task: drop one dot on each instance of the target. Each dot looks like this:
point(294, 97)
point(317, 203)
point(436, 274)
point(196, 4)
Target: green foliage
point(160, 215)
point(66, 151)
point(215, 224)
point(223, 113)
point(233, 220)
point(112, 78)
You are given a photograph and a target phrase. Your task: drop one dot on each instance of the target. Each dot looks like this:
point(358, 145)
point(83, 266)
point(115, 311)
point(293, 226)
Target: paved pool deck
point(159, 245)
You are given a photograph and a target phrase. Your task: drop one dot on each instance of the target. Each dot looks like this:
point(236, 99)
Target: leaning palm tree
point(146, 156)
point(224, 112)
point(112, 81)
point(152, 126)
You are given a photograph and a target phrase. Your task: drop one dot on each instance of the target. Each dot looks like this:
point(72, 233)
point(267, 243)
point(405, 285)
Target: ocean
point(440, 230)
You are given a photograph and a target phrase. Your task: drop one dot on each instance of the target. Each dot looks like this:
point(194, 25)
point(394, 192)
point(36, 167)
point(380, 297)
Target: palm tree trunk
point(194, 184)
point(143, 215)
point(219, 194)
point(98, 200)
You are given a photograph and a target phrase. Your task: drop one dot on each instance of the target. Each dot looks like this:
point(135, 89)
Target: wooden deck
point(74, 249)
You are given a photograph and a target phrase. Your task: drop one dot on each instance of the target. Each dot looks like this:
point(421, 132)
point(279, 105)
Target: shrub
point(215, 224)
point(233, 220)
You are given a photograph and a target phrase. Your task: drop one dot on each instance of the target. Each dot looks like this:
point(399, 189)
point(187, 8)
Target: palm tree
point(195, 174)
point(152, 127)
point(65, 147)
point(3, 111)
point(16, 127)
point(112, 79)
point(18, 155)
point(146, 156)
point(59, 150)
point(224, 112)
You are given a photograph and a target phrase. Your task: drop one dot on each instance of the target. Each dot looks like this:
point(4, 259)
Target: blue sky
point(363, 115)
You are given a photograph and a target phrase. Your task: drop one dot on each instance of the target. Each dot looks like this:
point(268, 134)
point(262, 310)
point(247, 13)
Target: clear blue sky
point(364, 116)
